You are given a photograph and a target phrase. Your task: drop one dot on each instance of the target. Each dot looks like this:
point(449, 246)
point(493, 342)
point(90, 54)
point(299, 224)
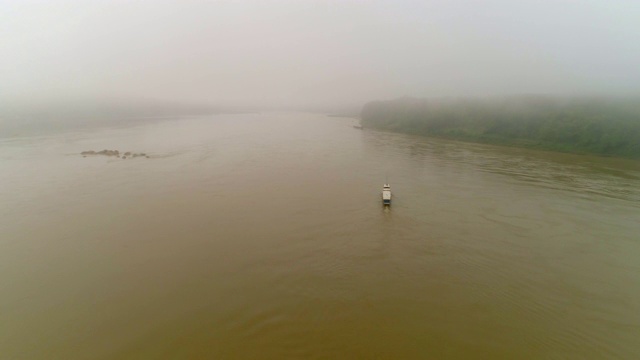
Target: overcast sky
point(316, 52)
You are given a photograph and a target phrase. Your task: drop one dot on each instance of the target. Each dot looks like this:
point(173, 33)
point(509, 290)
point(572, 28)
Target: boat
point(357, 127)
point(386, 194)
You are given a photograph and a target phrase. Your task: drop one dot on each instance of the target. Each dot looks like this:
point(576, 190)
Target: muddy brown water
point(262, 236)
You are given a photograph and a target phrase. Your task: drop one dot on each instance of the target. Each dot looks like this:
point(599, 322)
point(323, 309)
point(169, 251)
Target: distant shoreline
point(348, 116)
point(26, 127)
point(605, 127)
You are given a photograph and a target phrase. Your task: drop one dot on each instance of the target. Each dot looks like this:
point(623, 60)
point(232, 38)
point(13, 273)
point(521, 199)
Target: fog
point(315, 53)
point(185, 179)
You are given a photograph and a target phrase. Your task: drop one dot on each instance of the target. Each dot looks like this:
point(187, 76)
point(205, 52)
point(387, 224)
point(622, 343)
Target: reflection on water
point(263, 236)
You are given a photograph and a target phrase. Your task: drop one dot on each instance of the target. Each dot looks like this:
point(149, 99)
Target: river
point(253, 236)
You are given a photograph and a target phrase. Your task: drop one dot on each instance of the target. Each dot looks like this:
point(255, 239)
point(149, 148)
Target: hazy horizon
point(315, 53)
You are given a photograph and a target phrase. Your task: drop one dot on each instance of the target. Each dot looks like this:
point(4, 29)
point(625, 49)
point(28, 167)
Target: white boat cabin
point(386, 194)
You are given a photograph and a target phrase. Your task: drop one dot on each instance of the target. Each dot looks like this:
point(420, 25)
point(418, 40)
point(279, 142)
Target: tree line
point(603, 126)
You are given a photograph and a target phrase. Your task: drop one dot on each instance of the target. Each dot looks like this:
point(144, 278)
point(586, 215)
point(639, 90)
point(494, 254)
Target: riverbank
point(606, 127)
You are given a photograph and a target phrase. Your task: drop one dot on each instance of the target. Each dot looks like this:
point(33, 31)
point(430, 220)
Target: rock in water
point(115, 153)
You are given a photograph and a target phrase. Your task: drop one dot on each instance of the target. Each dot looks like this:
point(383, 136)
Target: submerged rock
point(115, 153)
point(102, 152)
